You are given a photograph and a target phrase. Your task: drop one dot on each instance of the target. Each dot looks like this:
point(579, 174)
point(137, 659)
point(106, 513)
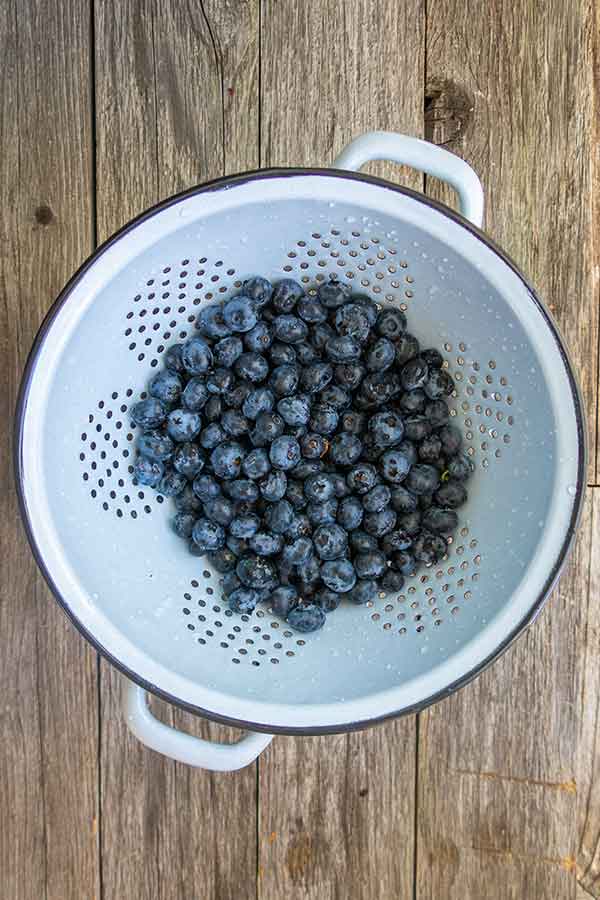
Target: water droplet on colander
point(571, 490)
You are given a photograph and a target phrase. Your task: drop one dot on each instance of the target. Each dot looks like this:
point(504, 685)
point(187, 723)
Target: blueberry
point(430, 448)
point(350, 513)
point(213, 409)
point(282, 354)
point(363, 591)
point(284, 452)
point(345, 449)
point(211, 321)
point(410, 522)
point(319, 487)
point(195, 394)
point(330, 541)
point(306, 618)
point(306, 468)
point(222, 560)
point(284, 380)
point(452, 494)
point(286, 295)
point(315, 377)
point(417, 427)
point(208, 535)
point(183, 425)
point(439, 384)
point(387, 428)
point(273, 487)
point(429, 548)
point(349, 375)
point(251, 366)
point(266, 544)
point(391, 322)
point(437, 412)
point(227, 350)
point(404, 562)
point(381, 355)
point(362, 478)
point(354, 422)
point(338, 575)
point(183, 524)
point(237, 394)
point(402, 499)
point(227, 460)
point(306, 353)
point(425, 501)
point(196, 356)
point(352, 321)
point(362, 542)
point(433, 358)
point(234, 423)
point(171, 484)
point(340, 487)
point(451, 440)
point(323, 418)
point(294, 492)
point(239, 314)
point(258, 338)
point(283, 599)
point(333, 294)
point(289, 329)
point(392, 582)
point(311, 310)
point(298, 551)
point(322, 512)
point(256, 464)
point(380, 523)
point(396, 540)
point(259, 400)
point(238, 546)
point(378, 388)
point(394, 466)
point(147, 471)
point(423, 479)
point(335, 396)
point(320, 334)
point(166, 386)
point(242, 490)
point(461, 467)
point(278, 516)
point(212, 436)
point(220, 381)
point(268, 427)
point(342, 349)
point(244, 526)
point(257, 572)
point(407, 347)
point(414, 374)
point(156, 445)
point(377, 498)
point(368, 306)
point(441, 521)
point(313, 445)
point(187, 501)
point(370, 565)
point(413, 402)
point(294, 410)
point(243, 600)
point(172, 359)
point(219, 509)
point(259, 290)
point(299, 527)
point(149, 413)
point(230, 583)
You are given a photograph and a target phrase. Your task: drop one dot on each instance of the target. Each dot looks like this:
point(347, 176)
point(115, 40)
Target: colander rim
point(227, 182)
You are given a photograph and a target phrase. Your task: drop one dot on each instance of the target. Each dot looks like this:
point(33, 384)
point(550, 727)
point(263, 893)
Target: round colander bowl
point(106, 547)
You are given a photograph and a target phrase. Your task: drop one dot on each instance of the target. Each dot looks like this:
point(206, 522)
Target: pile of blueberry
point(307, 443)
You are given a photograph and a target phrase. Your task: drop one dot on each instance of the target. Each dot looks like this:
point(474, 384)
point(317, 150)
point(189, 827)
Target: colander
point(106, 546)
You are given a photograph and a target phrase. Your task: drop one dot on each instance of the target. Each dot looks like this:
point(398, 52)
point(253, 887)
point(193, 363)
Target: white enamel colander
point(106, 546)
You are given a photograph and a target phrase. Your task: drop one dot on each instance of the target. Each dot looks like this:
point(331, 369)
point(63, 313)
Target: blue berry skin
point(396, 540)
point(183, 425)
point(350, 513)
point(284, 453)
point(183, 524)
point(319, 487)
point(417, 427)
point(256, 464)
point(195, 550)
point(298, 552)
point(211, 321)
point(283, 354)
point(335, 396)
point(387, 428)
point(362, 478)
point(147, 471)
point(451, 440)
point(423, 479)
point(433, 358)
point(394, 466)
point(268, 427)
point(309, 575)
point(437, 412)
point(283, 599)
point(295, 494)
point(380, 523)
point(307, 467)
point(352, 321)
point(407, 347)
point(429, 548)
point(377, 498)
point(236, 395)
point(338, 575)
point(315, 377)
point(322, 512)
point(392, 582)
point(311, 310)
point(234, 423)
point(381, 355)
point(305, 353)
point(284, 380)
point(266, 544)
point(368, 306)
point(219, 510)
point(313, 446)
point(244, 527)
point(219, 381)
point(414, 374)
point(327, 600)
point(402, 499)
point(213, 409)
point(370, 565)
point(363, 543)
point(404, 562)
point(410, 522)
point(320, 334)
point(349, 375)
point(259, 289)
point(340, 487)
point(363, 591)
point(274, 486)
point(345, 449)
point(230, 583)
point(289, 329)
point(323, 418)
point(429, 449)
point(222, 560)
point(342, 349)
point(243, 600)
point(208, 535)
point(441, 521)
point(171, 484)
point(330, 541)
point(333, 294)
point(195, 394)
point(461, 467)
point(391, 323)
point(156, 445)
point(306, 618)
point(279, 516)
point(227, 350)
point(294, 410)
point(166, 386)
point(299, 527)
point(378, 388)
point(286, 294)
point(251, 366)
point(227, 460)
point(413, 402)
point(452, 494)
point(439, 384)
point(196, 356)
point(259, 338)
point(172, 359)
point(187, 501)
point(257, 572)
point(150, 413)
point(239, 314)
point(212, 436)
point(259, 400)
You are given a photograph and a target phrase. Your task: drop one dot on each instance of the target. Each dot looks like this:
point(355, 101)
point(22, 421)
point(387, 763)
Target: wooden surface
point(104, 109)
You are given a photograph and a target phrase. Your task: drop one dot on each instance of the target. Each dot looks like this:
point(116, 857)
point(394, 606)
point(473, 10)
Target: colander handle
point(422, 155)
point(186, 748)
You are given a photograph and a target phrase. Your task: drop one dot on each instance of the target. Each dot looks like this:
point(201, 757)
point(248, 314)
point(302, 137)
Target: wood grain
point(48, 747)
point(169, 831)
point(337, 813)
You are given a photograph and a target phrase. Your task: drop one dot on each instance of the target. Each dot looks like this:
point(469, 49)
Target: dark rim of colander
point(226, 183)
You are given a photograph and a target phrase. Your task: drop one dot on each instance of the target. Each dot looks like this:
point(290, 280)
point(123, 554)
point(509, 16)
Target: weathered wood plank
point(48, 752)
point(337, 813)
point(162, 74)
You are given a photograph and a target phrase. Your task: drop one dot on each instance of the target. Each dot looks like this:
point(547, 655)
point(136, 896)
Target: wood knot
point(448, 111)
point(44, 215)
